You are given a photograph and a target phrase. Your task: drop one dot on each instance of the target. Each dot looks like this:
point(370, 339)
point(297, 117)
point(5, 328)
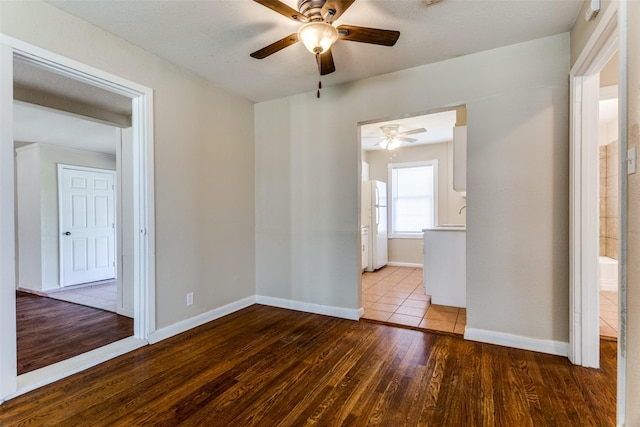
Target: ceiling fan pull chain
point(320, 73)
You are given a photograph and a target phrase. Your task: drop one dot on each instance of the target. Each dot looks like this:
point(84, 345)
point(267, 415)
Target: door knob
point(68, 233)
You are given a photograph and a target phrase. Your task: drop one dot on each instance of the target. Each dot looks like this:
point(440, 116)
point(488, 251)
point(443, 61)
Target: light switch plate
point(632, 160)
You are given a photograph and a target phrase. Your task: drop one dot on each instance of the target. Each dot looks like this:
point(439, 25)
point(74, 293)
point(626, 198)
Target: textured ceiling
point(213, 38)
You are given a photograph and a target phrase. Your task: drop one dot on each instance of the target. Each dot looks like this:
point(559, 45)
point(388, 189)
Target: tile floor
point(396, 295)
point(609, 314)
point(103, 295)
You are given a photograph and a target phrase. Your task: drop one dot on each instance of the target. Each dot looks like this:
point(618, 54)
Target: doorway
point(584, 334)
point(609, 213)
point(413, 158)
point(141, 200)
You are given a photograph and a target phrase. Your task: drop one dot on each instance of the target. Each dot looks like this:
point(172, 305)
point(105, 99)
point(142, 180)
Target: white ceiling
point(439, 128)
point(38, 124)
point(213, 38)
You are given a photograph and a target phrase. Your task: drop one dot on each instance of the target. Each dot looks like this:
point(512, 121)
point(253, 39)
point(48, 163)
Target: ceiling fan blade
point(325, 63)
point(275, 47)
point(368, 35)
point(332, 9)
point(411, 132)
point(405, 139)
point(283, 9)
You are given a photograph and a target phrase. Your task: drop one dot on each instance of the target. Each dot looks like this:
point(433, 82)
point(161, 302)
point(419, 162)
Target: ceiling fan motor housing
point(312, 9)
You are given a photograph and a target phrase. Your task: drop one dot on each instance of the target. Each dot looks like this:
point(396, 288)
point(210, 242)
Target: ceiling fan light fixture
point(318, 37)
point(393, 144)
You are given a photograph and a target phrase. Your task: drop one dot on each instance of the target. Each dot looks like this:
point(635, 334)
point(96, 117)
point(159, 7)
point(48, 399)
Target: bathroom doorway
point(609, 211)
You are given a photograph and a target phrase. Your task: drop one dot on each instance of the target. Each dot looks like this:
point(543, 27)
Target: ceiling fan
point(392, 138)
point(318, 34)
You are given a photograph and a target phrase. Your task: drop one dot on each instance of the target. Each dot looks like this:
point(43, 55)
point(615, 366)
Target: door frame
point(61, 259)
point(584, 333)
point(141, 96)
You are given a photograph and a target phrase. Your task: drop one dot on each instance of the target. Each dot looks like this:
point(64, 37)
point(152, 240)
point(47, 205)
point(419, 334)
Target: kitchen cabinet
point(460, 159)
point(365, 247)
point(444, 266)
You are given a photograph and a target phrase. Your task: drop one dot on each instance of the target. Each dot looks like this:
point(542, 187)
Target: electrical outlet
point(189, 298)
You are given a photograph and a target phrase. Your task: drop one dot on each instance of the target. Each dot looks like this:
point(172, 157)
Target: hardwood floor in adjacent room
point(267, 366)
point(49, 331)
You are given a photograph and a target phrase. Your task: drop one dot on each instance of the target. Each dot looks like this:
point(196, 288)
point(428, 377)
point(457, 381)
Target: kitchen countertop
point(440, 228)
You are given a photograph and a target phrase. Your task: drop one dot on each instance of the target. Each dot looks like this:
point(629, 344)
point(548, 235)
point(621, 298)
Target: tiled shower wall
point(609, 216)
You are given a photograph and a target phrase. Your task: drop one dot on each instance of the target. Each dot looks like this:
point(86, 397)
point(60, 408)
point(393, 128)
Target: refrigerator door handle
point(377, 197)
point(377, 215)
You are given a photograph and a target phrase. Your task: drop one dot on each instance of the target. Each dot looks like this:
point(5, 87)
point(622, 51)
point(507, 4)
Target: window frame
point(390, 199)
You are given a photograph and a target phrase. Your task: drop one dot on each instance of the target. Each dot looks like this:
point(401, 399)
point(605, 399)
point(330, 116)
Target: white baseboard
point(125, 312)
point(404, 264)
point(327, 310)
point(558, 348)
point(200, 319)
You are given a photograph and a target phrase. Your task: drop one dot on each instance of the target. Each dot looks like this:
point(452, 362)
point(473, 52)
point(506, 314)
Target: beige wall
point(449, 201)
point(204, 162)
point(610, 74)
point(517, 219)
point(633, 217)
point(582, 29)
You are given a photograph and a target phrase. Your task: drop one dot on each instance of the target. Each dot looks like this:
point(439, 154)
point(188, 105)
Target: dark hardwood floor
point(266, 366)
point(50, 330)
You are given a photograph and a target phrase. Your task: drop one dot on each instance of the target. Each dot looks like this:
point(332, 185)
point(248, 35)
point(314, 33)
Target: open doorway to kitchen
point(413, 178)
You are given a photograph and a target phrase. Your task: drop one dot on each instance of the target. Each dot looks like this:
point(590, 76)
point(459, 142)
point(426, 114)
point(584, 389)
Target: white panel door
point(87, 225)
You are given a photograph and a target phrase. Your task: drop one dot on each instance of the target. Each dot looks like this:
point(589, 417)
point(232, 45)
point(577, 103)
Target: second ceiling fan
point(393, 137)
point(318, 34)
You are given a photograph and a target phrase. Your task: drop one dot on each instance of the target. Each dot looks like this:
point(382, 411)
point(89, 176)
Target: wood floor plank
point(266, 366)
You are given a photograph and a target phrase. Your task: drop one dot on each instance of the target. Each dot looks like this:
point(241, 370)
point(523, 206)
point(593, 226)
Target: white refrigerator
point(374, 214)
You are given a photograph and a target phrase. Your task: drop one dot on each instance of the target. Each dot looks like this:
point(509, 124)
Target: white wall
point(204, 162)
point(38, 223)
point(449, 201)
point(517, 251)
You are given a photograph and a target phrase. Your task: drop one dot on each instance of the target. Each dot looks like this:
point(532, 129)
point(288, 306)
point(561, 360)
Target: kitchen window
point(412, 197)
